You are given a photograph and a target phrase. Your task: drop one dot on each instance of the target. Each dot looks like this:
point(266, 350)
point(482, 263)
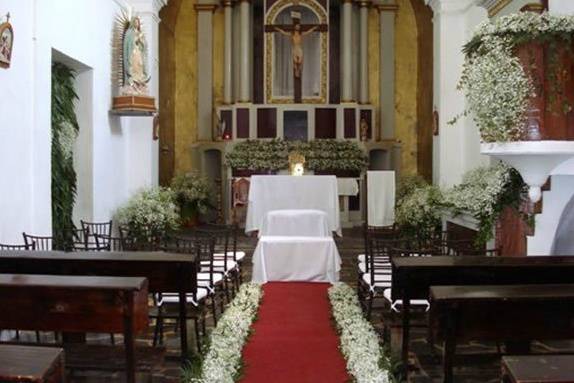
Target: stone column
point(456, 149)
point(142, 153)
point(205, 11)
point(387, 12)
point(364, 52)
point(346, 55)
point(228, 53)
point(244, 47)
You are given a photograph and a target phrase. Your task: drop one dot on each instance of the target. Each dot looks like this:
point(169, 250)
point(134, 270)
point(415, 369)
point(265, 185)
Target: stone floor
point(476, 363)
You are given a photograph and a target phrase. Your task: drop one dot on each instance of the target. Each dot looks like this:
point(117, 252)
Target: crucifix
point(296, 32)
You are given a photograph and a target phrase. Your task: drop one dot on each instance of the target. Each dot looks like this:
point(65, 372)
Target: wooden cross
point(290, 28)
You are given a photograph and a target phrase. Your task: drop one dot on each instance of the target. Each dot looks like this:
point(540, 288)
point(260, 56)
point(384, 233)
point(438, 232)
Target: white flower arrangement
point(419, 212)
point(484, 192)
point(222, 362)
point(359, 341)
point(494, 81)
point(153, 209)
point(320, 155)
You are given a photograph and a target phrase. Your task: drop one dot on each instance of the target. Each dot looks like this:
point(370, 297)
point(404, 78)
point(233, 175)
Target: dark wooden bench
point(77, 305)
point(165, 272)
point(538, 369)
point(413, 276)
point(31, 364)
point(517, 313)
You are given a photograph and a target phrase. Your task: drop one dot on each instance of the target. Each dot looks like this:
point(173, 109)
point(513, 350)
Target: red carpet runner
point(294, 339)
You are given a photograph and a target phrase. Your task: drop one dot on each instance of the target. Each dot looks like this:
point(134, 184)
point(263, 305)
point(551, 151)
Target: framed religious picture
point(6, 42)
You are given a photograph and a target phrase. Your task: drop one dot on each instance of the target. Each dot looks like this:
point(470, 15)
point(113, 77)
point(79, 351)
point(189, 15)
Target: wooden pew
point(77, 304)
point(31, 364)
point(499, 313)
point(538, 369)
point(413, 276)
point(165, 272)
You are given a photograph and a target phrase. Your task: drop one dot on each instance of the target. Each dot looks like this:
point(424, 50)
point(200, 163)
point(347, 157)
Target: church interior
point(287, 191)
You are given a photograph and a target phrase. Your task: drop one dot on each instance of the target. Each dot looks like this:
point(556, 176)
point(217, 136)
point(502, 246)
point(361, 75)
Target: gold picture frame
point(6, 43)
point(270, 46)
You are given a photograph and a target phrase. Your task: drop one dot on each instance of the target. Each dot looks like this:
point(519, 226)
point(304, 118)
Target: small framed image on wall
point(6, 42)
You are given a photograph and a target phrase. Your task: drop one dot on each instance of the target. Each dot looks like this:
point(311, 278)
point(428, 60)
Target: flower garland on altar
point(223, 361)
point(359, 341)
point(494, 81)
point(320, 155)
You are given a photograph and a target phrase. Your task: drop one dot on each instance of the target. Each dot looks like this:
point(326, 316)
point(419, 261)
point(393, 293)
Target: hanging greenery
point(320, 155)
point(65, 130)
point(496, 85)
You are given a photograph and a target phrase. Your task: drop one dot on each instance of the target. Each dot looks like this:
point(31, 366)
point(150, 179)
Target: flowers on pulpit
point(484, 193)
point(192, 194)
point(360, 344)
point(497, 85)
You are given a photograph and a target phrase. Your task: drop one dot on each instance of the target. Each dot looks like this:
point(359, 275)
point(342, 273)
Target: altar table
point(296, 223)
point(268, 193)
point(296, 259)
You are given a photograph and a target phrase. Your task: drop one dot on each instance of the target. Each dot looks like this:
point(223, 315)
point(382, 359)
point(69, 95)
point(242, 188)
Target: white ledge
point(534, 160)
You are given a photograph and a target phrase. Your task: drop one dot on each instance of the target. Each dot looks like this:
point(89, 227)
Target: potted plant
point(149, 213)
point(192, 194)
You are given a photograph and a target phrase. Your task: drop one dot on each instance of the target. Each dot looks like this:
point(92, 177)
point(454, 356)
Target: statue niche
point(297, 57)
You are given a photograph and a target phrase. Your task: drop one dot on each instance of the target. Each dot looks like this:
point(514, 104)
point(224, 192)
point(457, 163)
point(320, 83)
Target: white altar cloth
point(268, 193)
point(296, 259)
point(296, 223)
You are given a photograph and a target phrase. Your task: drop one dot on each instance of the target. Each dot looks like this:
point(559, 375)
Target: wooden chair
point(32, 246)
point(166, 305)
point(103, 229)
point(145, 239)
point(40, 243)
point(227, 258)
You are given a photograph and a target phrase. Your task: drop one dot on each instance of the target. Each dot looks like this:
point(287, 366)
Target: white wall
point(457, 147)
point(119, 156)
point(561, 6)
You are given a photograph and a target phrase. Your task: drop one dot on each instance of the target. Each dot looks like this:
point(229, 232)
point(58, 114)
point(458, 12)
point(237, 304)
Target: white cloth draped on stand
point(296, 259)
point(380, 198)
point(268, 193)
point(296, 223)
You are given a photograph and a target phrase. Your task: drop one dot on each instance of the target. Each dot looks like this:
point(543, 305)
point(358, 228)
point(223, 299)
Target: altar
point(287, 88)
point(269, 193)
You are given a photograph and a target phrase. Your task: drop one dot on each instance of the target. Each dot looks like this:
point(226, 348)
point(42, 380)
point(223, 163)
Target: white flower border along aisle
point(359, 341)
point(223, 360)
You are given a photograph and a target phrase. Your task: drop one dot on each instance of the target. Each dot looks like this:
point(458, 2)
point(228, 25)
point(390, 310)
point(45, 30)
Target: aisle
point(294, 340)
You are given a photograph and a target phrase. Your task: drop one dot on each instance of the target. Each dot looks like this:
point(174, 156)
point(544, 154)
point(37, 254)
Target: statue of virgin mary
point(135, 71)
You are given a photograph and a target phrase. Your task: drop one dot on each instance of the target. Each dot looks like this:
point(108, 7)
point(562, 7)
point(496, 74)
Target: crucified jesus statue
point(296, 36)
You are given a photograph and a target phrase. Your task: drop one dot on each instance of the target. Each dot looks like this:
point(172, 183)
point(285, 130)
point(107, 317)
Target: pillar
point(456, 149)
point(387, 12)
point(205, 69)
point(244, 49)
point(346, 55)
point(364, 52)
point(228, 53)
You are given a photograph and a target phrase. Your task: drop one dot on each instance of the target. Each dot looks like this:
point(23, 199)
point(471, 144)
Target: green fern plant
point(65, 129)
